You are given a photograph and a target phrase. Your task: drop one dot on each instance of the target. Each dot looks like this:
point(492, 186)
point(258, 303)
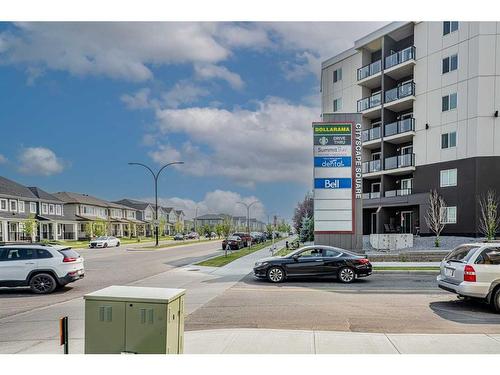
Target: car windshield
point(462, 253)
point(101, 238)
point(233, 238)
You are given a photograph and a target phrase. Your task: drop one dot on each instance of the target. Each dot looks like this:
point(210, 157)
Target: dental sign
point(337, 175)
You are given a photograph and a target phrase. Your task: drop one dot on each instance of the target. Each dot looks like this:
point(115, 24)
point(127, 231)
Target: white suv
point(41, 267)
point(473, 270)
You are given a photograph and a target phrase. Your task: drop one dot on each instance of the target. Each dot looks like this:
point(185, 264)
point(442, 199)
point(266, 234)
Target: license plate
point(449, 272)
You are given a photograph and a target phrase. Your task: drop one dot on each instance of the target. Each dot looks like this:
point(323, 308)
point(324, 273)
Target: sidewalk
point(37, 331)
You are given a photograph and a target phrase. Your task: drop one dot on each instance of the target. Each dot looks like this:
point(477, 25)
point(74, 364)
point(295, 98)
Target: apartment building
point(239, 223)
point(429, 95)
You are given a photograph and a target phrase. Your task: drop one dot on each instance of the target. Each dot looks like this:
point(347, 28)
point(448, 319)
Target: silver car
point(473, 270)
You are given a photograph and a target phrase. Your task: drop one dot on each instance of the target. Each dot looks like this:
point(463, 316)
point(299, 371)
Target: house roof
point(138, 205)
point(70, 197)
point(210, 217)
point(43, 195)
point(13, 189)
point(179, 212)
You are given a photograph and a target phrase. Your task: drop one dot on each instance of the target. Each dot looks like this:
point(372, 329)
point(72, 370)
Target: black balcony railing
point(371, 166)
point(369, 102)
point(371, 134)
point(398, 192)
point(399, 92)
point(400, 57)
point(369, 70)
point(399, 161)
point(372, 195)
point(399, 127)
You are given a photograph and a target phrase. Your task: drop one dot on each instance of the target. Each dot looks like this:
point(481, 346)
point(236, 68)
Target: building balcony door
point(407, 222)
point(373, 223)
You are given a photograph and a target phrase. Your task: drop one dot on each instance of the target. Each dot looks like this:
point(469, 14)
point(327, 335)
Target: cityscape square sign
point(337, 182)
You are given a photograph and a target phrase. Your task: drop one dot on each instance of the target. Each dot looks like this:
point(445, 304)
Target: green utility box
point(129, 319)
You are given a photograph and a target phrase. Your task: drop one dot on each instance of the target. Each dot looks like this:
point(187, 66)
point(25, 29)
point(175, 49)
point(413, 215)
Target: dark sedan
point(234, 242)
point(314, 261)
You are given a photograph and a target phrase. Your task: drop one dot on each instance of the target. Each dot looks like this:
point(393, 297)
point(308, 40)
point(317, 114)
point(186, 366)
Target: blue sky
point(233, 100)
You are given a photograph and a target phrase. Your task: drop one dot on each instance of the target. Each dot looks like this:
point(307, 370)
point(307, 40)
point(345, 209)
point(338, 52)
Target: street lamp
point(248, 205)
point(155, 176)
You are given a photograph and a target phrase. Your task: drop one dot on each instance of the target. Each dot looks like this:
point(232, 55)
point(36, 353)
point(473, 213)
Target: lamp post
point(155, 177)
point(248, 205)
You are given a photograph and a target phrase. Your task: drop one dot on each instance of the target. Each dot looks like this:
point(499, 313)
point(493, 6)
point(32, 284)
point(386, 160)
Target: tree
point(178, 226)
point(227, 227)
point(306, 230)
point(303, 209)
point(88, 229)
point(219, 230)
point(489, 220)
point(100, 227)
point(30, 226)
point(436, 215)
point(162, 225)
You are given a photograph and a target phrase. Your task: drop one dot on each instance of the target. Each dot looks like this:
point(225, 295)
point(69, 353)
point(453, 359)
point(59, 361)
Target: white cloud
point(269, 144)
point(3, 159)
point(210, 71)
point(139, 100)
point(216, 202)
point(39, 161)
point(165, 154)
point(183, 92)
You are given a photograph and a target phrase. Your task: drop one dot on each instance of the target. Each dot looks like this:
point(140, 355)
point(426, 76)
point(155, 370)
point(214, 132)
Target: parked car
point(104, 241)
point(193, 236)
point(213, 235)
point(314, 261)
point(41, 267)
point(234, 242)
point(178, 237)
point(473, 270)
point(258, 237)
point(245, 237)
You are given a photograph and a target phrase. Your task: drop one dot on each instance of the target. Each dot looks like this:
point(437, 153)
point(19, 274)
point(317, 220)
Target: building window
point(448, 140)
point(3, 204)
point(45, 208)
point(337, 75)
point(450, 63)
point(449, 102)
point(13, 206)
point(51, 209)
point(449, 27)
point(21, 206)
point(33, 207)
point(337, 105)
point(448, 178)
point(58, 210)
point(450, 215)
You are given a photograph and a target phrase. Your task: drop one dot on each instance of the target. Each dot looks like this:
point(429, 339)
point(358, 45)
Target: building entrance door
point(373, 223)
point(406, 222)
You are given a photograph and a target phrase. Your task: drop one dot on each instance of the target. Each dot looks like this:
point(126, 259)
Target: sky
point(234, 101)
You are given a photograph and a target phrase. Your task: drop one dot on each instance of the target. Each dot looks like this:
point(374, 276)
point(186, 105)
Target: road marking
point(327, 289)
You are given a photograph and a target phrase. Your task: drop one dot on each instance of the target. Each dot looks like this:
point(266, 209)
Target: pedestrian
point(286, 245)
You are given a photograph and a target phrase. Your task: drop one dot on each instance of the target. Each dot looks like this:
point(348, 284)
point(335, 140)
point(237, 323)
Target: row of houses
point(67, 215)
point(239, 223)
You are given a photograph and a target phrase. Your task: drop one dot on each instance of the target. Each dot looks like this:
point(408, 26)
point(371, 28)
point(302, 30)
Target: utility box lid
point(135, 294)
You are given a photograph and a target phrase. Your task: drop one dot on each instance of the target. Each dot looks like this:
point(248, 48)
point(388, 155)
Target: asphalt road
point(384, 302)
point(105, 267)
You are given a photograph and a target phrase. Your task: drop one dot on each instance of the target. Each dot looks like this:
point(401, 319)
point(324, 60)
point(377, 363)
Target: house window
point(21, 206)
point(45, 208)
point(51, 209)
point(3, 204)
point(449, 102)
point(450, 63)
point(450, 215)
point(13, 206)
point(337, 75)
point(337, 105)
point(449, 27)
point(33, 207)
point(448, 140)
point(58, 210)
point(448, 178)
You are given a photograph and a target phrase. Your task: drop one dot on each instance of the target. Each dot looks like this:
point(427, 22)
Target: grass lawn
point(123, 241)
point(177, 243)
point(222, 260)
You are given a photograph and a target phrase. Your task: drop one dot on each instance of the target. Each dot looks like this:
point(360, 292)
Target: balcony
point(400, 98)
point(370, 105)
point(371, 168)
point(373, 195)
point(400, 164)
point(370, 75)
point(371, 137)
point(400, 64)
point(400, 131)
point(398, 193)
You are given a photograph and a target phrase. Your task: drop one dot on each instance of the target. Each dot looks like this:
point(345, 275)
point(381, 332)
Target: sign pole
point(63, 334)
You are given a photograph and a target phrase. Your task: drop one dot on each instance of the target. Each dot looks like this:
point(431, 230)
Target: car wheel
point(495, 300)
point(117, 244)
point(105, 244)
point(346, 275)
point(43, 283)
point(275, 274)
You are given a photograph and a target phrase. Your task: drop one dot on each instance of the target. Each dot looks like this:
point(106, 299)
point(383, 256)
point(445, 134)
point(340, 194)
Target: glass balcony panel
point(391, 60)
point(363, 72)
point(391, 129)
point(391, 95)
point(406, 90)
point(375, 133)
point(404, 192)
point(406, 125)
point(366, 195)
point(375, 166)
point(406, 54)
point(390, 193)
point(391, 163)
point(375, 100)
point(375, 67)
point(365, 135)
point(375, 195)
point(405, 160)
point(363, 104)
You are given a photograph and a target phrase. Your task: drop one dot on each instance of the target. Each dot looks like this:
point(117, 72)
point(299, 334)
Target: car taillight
point(69, 259)
point(469, 274)
point(363, 261)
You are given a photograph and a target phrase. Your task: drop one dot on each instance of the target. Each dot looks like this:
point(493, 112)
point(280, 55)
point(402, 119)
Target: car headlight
point(259, 264)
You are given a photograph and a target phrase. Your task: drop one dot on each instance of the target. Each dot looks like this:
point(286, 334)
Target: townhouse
point(429, 96)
